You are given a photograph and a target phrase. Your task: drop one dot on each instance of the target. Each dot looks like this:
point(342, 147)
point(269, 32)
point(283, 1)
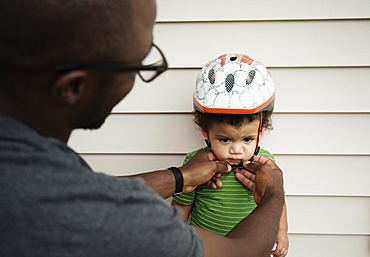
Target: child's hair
point(205, 120)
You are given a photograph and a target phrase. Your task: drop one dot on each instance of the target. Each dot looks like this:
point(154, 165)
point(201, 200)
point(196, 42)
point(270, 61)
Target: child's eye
point(225, 140)
point(248, 139)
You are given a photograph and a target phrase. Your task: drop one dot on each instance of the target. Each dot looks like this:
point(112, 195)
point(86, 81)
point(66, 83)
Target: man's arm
point(255, 235)
point(200, 169)
point(161, 181)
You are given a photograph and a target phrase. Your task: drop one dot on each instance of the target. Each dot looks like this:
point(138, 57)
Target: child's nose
point(236, 148)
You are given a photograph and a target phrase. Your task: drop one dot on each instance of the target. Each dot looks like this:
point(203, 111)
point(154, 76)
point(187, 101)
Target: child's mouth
point(233, 161)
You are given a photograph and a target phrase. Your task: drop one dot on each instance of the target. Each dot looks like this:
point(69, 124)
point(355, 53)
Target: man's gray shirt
point(53, 204)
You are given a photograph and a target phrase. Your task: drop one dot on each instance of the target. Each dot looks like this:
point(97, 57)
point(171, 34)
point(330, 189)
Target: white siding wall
point(319, 55)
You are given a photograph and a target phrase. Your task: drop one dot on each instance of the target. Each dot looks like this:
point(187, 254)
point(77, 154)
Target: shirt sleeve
point(160, 230)
point(141, 223)
point(267, 154)
point(185, 199)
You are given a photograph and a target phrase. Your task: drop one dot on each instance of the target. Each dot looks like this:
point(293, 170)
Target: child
point(233, 101)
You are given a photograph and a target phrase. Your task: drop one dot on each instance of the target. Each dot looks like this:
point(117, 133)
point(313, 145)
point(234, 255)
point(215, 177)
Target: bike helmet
point(234, 84)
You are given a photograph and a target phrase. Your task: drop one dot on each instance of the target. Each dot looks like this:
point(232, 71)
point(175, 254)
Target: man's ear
point(69, 88)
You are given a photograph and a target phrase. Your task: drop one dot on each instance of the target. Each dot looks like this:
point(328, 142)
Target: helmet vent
point(250, 77)
point(211, 76)
point(232, 58)
point(229, 82)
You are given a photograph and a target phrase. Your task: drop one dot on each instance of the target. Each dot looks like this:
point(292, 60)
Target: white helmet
point(234, 84)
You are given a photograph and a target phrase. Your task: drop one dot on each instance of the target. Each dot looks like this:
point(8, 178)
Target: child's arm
point(186, 209)
point(282, 240)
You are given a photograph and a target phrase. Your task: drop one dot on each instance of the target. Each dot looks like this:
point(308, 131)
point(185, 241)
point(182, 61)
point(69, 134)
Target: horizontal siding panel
point(329, 246)
point(298, 90)
point(195, 10)
point(170, 92)
point(319, 134)
point(176, 133)
point(129, 164)
point(326, 175)
point(303, 175)
point(280, 44)
point(329, 215)
point(139, 133)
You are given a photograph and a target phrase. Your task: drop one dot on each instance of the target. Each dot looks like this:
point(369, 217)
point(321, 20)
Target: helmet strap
point(208, 143)
point(257, 149)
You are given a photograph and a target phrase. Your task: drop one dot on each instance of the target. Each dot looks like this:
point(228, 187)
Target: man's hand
point(199, 170)
point(202, 168)
point(214, 182)
point(261, 177)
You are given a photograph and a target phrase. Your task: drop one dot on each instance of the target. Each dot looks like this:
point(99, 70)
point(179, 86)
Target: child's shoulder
point(200, 149)
point(267, 154)
point(191, 154)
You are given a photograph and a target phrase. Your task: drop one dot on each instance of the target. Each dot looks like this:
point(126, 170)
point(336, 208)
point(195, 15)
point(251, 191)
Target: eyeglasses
point(151, 67)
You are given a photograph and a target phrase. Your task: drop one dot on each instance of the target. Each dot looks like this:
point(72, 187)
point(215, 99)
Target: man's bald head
point(39, 34)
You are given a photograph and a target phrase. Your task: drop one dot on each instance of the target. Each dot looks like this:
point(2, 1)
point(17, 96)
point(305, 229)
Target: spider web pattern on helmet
point(233, 85)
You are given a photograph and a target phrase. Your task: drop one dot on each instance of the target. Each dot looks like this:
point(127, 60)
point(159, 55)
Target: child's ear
point(208, 143)
point(204, 133)
point(262, 133)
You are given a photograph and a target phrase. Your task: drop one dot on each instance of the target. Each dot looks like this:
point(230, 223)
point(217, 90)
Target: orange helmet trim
point(233, 111)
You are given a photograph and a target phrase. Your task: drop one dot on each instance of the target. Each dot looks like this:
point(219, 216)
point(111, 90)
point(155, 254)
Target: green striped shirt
point(220, 210)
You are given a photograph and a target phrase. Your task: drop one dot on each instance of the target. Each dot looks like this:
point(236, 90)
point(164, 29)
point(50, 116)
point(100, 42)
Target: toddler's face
point(232, 144)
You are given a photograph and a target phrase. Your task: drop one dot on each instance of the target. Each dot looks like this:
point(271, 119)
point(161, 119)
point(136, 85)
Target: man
point(64, 64)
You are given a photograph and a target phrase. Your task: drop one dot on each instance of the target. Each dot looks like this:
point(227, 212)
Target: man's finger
point(221, 167)
point(252, 167)
point(257, 161)
point(211, 184)
point(248, 183)
point(211, 155)
point(264, 160)
point(245, 174)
